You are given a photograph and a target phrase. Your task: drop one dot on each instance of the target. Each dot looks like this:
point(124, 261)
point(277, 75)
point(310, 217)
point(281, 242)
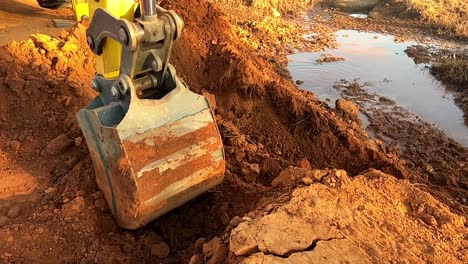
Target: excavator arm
point(154, 144)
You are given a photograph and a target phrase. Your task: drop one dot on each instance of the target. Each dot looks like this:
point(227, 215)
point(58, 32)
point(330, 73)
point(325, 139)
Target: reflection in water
point(377, 59)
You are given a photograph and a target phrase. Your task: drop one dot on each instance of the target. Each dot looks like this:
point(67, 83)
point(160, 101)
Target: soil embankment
point(51, 209)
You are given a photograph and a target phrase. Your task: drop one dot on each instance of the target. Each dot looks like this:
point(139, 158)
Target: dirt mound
point(370, 218)
point(266, 124)
point(353, 5)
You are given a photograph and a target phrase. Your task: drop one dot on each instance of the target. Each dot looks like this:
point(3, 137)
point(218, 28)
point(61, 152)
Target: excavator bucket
point(154, 143)
point(154, 156)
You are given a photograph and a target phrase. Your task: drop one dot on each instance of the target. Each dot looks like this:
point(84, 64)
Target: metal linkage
point(146, 46)
point(148, 8)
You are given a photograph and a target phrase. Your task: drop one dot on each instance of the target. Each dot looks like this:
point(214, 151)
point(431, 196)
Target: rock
point(74, 207)
point(44, 68)
point(101, 205)
point(14, 212)
point(307, 181)
point(278, 234)
point(328, 58)
point(317, 175)
point(196, 259)
point(160, 250)
point(50, 190)
point(429, 220)
point(250, 170)
point(348, 108)
point(70, 46)
point(235, 221)
point(127, 248)
point(246, 218)
point(342, 175)
point(46, 42)
point(4, 220)
point(216, 250)
point(97, 195)
point(299, 82)
point(58, 145)
point(14, 145)
point(78, 141)
point(16, 84)
point(289, 177)
point(255, 168)
point(304, 164)
point(199, 243)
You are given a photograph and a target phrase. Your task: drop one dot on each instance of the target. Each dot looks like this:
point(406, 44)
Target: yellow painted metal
point(108, 63)
point(81, 9)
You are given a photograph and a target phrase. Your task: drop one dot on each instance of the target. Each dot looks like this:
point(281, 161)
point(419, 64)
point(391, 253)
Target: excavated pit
point(267, 124)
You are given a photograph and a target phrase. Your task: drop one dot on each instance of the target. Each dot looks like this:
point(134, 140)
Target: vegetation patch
point(271, 7)
point(452, 69)
point(448, 16)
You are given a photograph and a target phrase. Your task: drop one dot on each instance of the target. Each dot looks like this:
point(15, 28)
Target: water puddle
point(381, 64)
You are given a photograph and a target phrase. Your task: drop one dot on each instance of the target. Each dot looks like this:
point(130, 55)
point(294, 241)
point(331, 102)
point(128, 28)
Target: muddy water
point(382, 64)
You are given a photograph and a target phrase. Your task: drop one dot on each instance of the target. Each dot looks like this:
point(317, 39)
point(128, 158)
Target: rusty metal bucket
point(152, 155)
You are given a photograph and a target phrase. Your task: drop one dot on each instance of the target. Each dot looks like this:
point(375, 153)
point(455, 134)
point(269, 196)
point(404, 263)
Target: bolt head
point(114, 91)
point(95, 86)
point(123, 35)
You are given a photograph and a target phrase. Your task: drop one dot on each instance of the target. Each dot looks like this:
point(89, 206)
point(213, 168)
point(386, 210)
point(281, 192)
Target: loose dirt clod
point(4, 220)
point(101, 205)
point(196, 259)
point(160, 250)
point(304, 164)
point(73, 207)
point(58, 145)
point(328, 58)
point(235, 221)
point(348, 108)
point(14, 212)
point(14, 145)
point(215, 250)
